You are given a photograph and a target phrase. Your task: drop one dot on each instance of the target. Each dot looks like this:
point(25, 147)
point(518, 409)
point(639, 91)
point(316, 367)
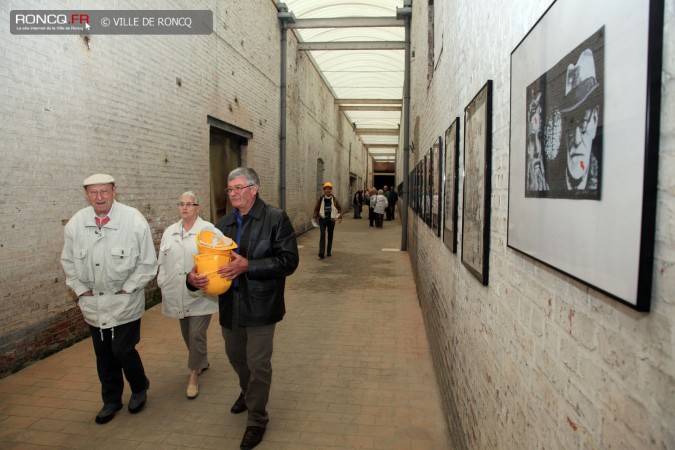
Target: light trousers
point(194, 329)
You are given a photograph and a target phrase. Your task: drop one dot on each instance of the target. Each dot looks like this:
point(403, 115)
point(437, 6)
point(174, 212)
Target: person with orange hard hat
point(326, 212)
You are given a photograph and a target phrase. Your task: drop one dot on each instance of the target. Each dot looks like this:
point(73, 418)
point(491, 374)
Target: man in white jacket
point(108, 258)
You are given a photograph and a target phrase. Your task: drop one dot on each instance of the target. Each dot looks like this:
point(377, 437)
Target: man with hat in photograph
point(108, 257)
point(326, 212)
point(581, 121)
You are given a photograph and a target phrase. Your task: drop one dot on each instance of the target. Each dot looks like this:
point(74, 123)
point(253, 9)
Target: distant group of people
point(381, 205)
point(109, 257)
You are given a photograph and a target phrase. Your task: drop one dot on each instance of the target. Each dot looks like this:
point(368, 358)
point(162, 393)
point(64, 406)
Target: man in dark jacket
point(267, 253)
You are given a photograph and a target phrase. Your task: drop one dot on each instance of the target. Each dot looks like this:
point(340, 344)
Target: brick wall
point(136, 107)
point(536, 359)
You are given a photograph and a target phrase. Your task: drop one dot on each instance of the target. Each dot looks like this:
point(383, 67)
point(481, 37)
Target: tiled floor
point(352, 369)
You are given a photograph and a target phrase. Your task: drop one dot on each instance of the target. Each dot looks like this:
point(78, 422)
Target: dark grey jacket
point(268, 242)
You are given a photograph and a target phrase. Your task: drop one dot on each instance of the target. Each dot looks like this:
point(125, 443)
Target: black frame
point(477, 134)
point(436, 186)
point(615, 254)
point(451, 185)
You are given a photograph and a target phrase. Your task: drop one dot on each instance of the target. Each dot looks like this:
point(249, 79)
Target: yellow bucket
point(210, 243)
point(208, 265)
point(214, 251)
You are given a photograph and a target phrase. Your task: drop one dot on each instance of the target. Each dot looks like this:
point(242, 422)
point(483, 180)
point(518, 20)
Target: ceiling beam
point(370, 108)
point(348, 22)
point(369, 146)
point(368, 101)
point(352, 45)
point(377, 131)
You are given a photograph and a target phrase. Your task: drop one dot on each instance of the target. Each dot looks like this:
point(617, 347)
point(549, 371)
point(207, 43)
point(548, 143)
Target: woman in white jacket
point(193, 309)
point(381, 204)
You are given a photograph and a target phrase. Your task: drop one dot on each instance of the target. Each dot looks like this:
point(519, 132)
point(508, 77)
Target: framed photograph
point(436, 191)
point(583, 164)
point(416, 191)
point(428, 186)
point(411, 189)
point(418, 188)
point(450, 185)
point(477, 183)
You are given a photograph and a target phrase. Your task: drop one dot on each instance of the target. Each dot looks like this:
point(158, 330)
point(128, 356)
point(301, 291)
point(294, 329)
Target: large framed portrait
point(450, 185)
point(436, 191)
point(477, 184)
point(585, 108)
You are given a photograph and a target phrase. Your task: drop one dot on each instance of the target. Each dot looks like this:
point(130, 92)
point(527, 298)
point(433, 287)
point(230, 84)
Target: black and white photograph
point(450, 184)
point(436, 191)
point(564, 109)
point(583, 153)
point(477, 183)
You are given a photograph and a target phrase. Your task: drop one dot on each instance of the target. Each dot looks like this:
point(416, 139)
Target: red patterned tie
point(101, 222)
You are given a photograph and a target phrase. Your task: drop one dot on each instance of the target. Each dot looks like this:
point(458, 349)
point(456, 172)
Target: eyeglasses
point(188, 204)
point(236, 189)
point(573, 122)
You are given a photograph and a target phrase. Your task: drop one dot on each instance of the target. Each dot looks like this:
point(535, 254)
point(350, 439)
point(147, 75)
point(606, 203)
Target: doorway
point(227, 145)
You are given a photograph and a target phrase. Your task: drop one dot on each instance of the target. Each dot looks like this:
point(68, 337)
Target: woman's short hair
point(195, 199)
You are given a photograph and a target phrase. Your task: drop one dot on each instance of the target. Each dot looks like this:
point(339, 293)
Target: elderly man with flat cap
point(108, 258)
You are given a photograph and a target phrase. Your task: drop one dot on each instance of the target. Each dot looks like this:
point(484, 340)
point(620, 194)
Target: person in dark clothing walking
point(357, 202)
point(326, 212)
point(267, 253)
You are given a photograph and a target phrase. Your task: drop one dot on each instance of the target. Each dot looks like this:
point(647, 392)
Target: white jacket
point(381, 203)
point(175, 262)
point(120, 256)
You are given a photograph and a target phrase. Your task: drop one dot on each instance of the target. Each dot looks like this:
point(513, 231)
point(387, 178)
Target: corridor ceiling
point(362, 64)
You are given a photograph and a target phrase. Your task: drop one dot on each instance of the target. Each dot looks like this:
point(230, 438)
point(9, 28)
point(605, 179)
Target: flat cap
point(99, 178)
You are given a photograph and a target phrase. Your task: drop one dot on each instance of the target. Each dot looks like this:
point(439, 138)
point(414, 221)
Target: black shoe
point(327, 254)
point(107, 413)
point(138, 399)
point(252, 437)
point(320, 256)
point(240, 405)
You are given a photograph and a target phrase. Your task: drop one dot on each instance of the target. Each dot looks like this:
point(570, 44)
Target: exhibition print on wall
point(563, 157)
point(450, 185)
point(436, 198)
point(477, 183)
point(585, 108)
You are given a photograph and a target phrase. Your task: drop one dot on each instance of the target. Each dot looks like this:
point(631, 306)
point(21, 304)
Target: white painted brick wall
point(69, 110)
point(535, 360)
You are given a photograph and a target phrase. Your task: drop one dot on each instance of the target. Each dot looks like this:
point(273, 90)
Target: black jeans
point(116, 352)
point(326, 225)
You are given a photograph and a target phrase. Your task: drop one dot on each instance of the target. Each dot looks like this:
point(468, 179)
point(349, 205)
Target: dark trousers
point(357, 211)
point(249, 350)
point(379, 219)
point(116, 352)
point(326, 225)
point(371, 216)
